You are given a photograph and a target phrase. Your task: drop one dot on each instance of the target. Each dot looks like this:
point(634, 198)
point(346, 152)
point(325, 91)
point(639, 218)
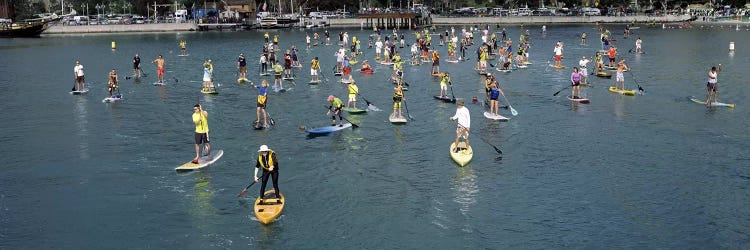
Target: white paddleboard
point(79, 92)
point(203, 161)
point(713, 104)
point(397, 120)
point(113, 98)
point(492, 116)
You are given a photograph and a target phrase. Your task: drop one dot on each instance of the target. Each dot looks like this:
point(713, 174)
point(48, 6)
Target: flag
point(265, 4)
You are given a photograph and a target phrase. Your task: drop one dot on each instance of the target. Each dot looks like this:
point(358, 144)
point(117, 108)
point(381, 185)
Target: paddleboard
point(615, 68)
point(368, 71)
point(624, 92)
point(492, 116)
point(445, 99)
point(159, 84)
point(713, 104)
point(209, 91)
point(561, 67)
point(386, 63)
point(603, 75)
point(258, 126)
point(113, 98)
point(426, 61)
point(355, 111)
point(344, 81)
point(337, 73)
point(314, 82)
point(79, 92)
point(438, 74)
point(462, 157)
point(397, 120)
point(328, 129)
point(522, 66)
point(452, 61)
point(265, 74)
point(271, 208)
point(579, 100)
point(504, 70)
point(183, 55)
point(527, 63)
point(288, 78)
point(203, 161)
point(242, 80)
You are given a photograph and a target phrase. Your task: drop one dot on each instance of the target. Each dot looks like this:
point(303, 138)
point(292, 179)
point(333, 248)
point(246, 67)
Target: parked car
point(587, 11)
point(524, 12)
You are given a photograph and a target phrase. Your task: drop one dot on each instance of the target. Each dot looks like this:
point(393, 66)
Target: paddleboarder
point(314, 68)
point(353, 90)
point(612, 52)
point(583, 38)
point(200, 118)
point(620, 78)
point(398, 96)
point(435, 62)
point(558, 54)
point(79, 78)
point(112, 83)
point(263, 63)
point(575, 83)
point(136, 66)
point(242, 66)
point(336, 105)
point(183, 48)
point(207, 76)
point(270, 164)
point(446, 79)
point(261, 104)
point(638, 43)
point(583, 63)
point(495, 91)
point(712, 85)
point(277, 70)
point(159, 68)
point(464, 124)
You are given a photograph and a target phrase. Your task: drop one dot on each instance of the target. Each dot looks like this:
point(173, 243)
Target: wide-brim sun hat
point(263, 148)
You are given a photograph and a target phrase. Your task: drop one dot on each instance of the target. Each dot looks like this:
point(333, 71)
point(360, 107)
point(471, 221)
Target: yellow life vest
point(265, 165)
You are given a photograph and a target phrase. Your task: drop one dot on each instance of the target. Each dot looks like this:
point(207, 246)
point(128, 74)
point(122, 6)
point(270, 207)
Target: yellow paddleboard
point(462, 157)
point(202, 162)
point(624, 92)
point(270, 209)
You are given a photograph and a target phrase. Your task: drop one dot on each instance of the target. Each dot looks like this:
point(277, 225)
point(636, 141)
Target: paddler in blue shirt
point(336, 105)
point(270, 164)
point(261, 104)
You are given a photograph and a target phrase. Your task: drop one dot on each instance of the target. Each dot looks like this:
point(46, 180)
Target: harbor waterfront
point(356, 22)
point(650, 171)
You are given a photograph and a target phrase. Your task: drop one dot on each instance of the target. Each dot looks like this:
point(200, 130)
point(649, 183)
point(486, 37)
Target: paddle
point(485, 141)
point(142, 73)
point(244, 191)
point(450, 84)
point(407, 109)
point(512, 110)
point(558, 92)
point(75, 82)
point(636, 82)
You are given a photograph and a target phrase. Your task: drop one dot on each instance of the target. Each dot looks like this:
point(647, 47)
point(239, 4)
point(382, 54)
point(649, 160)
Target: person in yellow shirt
point(200, 118)
point(398, 96)
point(353, 91)
point(183, 47)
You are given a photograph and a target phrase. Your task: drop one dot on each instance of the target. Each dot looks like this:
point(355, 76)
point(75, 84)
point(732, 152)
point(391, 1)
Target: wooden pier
point(395, 20)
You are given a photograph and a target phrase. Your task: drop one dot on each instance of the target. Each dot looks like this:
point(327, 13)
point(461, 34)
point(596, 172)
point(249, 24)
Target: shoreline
point(436, 20)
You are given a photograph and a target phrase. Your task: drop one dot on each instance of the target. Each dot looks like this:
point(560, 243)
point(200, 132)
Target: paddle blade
point(273, 123)
point(513, 111)
point(242, 193)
